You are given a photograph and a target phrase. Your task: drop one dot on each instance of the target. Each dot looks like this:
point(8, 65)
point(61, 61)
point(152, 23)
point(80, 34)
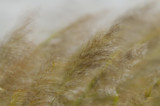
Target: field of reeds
point(86, 63)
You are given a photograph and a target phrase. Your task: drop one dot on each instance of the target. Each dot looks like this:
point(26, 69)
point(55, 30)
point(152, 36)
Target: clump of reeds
point(117, 66)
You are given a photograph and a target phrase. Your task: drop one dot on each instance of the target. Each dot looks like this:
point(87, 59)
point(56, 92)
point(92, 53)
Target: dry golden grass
point(85, 65)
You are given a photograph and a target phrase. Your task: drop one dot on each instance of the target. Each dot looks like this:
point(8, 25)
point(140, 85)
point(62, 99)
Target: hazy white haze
point(52, 15)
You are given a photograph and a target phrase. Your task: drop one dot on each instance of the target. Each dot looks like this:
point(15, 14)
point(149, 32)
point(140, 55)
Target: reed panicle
point(85, 64)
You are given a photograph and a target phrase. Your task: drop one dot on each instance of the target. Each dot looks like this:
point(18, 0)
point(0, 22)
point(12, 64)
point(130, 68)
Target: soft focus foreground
point(88, 63)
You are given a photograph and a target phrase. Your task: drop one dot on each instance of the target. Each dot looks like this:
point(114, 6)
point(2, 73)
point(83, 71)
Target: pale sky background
point(56, 14)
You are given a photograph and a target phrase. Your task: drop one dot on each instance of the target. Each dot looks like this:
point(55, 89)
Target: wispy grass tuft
point(85, 64)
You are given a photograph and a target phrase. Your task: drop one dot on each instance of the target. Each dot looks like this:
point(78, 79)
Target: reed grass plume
point(92, 62)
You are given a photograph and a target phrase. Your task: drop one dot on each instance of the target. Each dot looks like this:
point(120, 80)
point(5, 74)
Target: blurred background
point(53, 15)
